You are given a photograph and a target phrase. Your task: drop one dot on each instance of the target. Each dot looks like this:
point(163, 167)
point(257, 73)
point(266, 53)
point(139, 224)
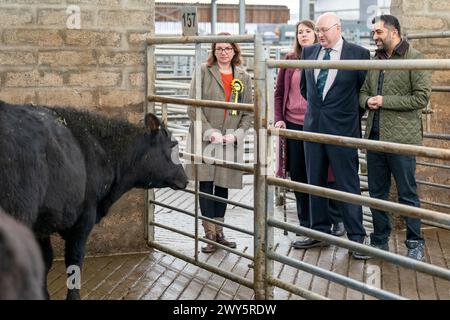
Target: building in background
point(276, 22)
point(168, 16)
point(356, 15)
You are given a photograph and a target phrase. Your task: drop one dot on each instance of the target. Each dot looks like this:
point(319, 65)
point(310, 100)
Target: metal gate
point(264, 183)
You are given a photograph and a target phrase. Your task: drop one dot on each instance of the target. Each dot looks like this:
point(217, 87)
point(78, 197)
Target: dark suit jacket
point(339, 113)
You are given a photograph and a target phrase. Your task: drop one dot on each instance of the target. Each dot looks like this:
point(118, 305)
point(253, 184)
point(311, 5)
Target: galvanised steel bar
point(309, 295)
point(150, 214)
point(187, 234)
point(440, 89)
point(200, 39)
point(241, 16)
point(433, 184)
point(435, 165)
point(220, 199)
point(434, 224)
point(164, 114)
point(196, 209)
point(270, 190)
point(213, 16)
point(218, 162)
point(187, 53)
point(428, 35)
point(430, 223)
point(260, 186)
point(426, 222)
point(344, 243)
point(366, 217)
point(150, 80)
point(174, 53)
point(203, 103)
point(174, 78)
point(336, 277)
point(416, 64)
point(149, 106)
point(380, 146)
point(161, 204)
point(437, 204)
point(438, 136)
point(180, 86)
point(397, 208)
point(213, 269)
point(304, 10)
point(197, 137)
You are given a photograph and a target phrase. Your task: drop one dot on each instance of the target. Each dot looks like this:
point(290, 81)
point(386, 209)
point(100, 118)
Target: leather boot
point(220, 237)
point(210, 234)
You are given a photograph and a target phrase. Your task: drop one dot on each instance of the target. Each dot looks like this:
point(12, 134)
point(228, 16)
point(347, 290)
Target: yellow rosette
point(236, 87)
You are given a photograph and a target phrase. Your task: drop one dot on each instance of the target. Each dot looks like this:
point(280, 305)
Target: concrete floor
point(156, 275)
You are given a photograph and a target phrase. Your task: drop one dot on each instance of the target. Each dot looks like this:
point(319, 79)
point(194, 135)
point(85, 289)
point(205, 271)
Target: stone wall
point(45, 58)
point(417, 16)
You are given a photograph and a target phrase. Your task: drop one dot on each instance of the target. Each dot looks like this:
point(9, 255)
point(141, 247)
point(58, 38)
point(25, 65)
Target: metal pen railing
point(428, 35)
point(264, 256)
point(380, 146)
point(413, 64)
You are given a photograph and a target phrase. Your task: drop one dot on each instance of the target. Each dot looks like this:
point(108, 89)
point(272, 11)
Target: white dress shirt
point(335, 54)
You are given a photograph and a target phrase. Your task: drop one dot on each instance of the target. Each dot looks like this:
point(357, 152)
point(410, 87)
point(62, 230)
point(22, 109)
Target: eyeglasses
point(226, 50)
point(323, 30)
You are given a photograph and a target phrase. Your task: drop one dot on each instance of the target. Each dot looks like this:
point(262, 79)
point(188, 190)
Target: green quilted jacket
point(404, 93)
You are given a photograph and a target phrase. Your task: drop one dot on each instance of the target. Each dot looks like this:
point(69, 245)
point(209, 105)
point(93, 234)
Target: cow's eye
point(173, 143)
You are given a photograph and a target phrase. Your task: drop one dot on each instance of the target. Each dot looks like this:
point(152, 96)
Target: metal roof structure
point(234, 2)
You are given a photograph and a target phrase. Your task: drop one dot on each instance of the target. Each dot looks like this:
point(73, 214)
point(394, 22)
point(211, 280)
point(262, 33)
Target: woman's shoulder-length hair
point(296, 46)
point(237, 58)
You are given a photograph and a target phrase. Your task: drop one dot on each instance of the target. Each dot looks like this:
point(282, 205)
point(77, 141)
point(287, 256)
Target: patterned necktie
point(322, 77)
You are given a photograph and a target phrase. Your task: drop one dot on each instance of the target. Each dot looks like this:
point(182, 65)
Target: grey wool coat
point(213, 120)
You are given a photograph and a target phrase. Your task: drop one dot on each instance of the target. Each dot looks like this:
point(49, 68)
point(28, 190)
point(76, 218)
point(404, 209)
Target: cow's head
point(158, 165)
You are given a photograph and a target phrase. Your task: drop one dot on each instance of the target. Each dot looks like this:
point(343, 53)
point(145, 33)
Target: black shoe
point(338, 229)
point(416, 249)
point(359, 255)
point(308, 243)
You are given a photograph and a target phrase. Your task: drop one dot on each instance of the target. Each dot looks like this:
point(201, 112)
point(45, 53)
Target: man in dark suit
point(333, 108)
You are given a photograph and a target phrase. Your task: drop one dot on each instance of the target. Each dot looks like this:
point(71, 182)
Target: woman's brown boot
point(220, 237)
point(210, 234)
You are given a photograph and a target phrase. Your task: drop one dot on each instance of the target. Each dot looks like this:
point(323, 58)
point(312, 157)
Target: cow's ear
point(152, 122)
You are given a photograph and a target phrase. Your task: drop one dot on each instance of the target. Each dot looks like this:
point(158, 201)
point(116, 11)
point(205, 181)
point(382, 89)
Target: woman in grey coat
point(223, 132)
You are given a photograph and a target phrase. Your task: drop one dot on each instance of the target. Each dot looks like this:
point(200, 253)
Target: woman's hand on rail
point(280, 125)
point(216, 138)
point(229, 139)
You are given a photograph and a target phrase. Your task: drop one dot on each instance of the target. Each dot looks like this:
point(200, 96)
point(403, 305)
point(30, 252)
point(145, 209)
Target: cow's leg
point(75, 247)
point(47, 254)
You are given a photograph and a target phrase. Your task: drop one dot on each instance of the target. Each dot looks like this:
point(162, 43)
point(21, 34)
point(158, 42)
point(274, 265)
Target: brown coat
point(213, 121)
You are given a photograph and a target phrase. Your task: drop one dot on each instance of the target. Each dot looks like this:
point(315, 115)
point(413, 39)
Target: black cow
point(61, 169)
point(21, 264)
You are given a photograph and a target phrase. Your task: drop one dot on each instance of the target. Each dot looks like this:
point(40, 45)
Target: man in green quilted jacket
point(395, 99)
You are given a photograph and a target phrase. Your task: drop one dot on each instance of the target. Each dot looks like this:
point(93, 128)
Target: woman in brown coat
point(223, 133)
